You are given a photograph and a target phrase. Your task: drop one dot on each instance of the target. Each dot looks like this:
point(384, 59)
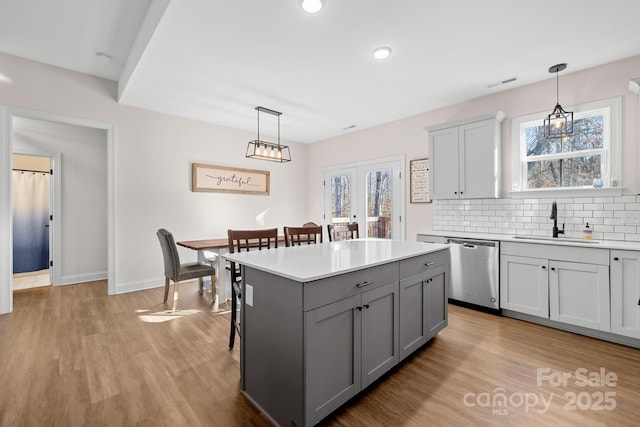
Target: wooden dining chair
point(174, 270)
point(342, 231)
point(244, 241)
point(296, 236)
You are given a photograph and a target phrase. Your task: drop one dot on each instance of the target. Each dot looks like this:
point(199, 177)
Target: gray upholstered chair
point(174, 270)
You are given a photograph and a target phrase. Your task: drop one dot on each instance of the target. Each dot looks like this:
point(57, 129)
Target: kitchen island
point(319, 323)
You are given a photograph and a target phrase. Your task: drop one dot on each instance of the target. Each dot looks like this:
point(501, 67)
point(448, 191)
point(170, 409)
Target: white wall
point(83, 216)
point(153, 156)
point(408, 135)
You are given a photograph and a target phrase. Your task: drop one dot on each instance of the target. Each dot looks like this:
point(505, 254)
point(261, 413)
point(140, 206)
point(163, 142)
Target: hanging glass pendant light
point(559, 123)
point(263, 150)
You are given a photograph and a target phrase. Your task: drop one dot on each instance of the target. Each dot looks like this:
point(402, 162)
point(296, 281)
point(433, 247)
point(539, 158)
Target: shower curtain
point(30, 221)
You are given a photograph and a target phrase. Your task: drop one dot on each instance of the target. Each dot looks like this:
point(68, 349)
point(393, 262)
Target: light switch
point(248, 298)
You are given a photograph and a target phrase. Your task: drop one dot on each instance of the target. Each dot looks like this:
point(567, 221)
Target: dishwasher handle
point(471, 244)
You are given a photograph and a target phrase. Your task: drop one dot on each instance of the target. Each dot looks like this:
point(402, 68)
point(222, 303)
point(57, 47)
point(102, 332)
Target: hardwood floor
point(72, 355)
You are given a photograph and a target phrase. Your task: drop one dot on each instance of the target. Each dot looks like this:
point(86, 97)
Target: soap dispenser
point(587, 233)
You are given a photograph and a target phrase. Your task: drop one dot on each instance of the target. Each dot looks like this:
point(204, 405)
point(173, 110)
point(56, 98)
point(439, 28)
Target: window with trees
point(587, 158)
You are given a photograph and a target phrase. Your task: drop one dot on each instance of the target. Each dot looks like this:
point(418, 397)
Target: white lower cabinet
point(524, 285)
point(625, 293)
point(579, 294)
point(564, 284)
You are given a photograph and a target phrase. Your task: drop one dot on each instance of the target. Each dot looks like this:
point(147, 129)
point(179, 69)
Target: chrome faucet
point(554, 217)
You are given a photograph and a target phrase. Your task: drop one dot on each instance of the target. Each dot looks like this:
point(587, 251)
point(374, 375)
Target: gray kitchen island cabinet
point(424, 293)
point(319, 323)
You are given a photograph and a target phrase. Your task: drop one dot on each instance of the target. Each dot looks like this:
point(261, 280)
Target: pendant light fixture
point(262, 150)
point(559, 123)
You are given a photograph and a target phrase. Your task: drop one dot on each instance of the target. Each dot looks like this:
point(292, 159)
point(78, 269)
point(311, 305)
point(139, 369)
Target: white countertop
point(313, 262)
point(566, 241)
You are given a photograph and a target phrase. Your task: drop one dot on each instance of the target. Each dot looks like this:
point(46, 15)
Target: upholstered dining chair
point(243, 241)
point(174, 270)
point(296, 236)
point(342, 231)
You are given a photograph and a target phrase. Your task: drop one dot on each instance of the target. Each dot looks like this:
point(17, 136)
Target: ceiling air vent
point(503, 82)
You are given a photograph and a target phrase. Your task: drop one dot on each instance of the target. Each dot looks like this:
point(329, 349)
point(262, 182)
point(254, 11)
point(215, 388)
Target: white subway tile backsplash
point(625, 229)
point(593, 206)
point(625, 199)
point(583, 200)
point(603, 200)
point(531, 216)
point(613, 236)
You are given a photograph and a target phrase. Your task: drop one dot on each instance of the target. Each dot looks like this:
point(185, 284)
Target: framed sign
point(419, 180)
point(223, 179)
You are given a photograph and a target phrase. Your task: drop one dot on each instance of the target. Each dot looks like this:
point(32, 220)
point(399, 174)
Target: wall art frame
point(419, 180)
point(225, 179)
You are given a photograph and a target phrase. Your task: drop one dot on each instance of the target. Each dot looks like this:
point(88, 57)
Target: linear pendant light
point(263, 150)
point(560, 122)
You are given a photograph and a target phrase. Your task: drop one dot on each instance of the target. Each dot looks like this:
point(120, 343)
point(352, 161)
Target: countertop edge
point(429, 248)
point(602, 244)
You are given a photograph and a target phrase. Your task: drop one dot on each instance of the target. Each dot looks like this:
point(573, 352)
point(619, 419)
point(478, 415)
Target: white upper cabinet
point(465, 158)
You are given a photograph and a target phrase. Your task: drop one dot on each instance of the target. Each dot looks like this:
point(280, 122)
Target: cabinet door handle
point(638, 301)
point(366, 306)
point(553, 269)
point(359, 308)
point(544, 267)
point(429, 264)
point(455, 192)
point(615, 258)
point(363, 284)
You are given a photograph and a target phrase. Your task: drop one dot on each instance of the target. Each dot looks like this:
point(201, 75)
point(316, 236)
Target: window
point(577, 161)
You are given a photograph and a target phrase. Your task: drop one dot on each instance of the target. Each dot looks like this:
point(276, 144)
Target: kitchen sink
point(558, 239)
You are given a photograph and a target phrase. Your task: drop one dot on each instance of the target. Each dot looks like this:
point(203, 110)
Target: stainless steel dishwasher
point(474, 272)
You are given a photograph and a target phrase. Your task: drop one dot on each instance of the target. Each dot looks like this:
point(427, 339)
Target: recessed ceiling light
point(312, 6)
point(381, 52)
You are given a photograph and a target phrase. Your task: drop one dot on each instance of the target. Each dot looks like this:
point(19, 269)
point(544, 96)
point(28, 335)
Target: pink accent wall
point(407, 136)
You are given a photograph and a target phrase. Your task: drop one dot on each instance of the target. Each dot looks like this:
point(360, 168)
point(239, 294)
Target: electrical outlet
point(631, 217)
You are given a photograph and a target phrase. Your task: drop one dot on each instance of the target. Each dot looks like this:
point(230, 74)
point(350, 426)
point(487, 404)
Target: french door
point(368, 193)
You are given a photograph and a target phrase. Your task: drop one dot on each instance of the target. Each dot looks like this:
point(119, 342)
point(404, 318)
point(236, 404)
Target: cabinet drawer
point(420, 264)
point(590, 255)
point(331, 289)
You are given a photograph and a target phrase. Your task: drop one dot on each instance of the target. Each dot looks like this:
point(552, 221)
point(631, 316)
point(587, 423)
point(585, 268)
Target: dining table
point(210, 251)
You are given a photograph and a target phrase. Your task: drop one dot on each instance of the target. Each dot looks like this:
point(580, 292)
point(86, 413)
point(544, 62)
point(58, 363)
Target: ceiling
point(216, 61)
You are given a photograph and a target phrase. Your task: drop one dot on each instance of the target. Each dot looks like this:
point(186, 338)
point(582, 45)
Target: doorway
point(8, 116)
point(370, 194)
point(32, 213)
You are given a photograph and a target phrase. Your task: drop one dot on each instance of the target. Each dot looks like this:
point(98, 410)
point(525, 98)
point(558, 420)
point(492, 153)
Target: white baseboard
point(81, 278)
point(140, 285)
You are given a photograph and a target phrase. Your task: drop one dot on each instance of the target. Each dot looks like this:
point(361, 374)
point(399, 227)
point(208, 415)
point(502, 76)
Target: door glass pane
point(340, 199)
point(379, 206)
